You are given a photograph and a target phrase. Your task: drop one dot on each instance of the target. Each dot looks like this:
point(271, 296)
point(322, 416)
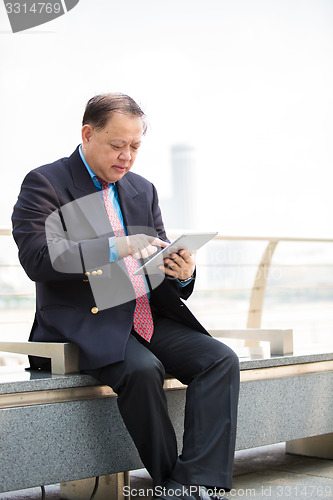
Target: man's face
point(111, 152)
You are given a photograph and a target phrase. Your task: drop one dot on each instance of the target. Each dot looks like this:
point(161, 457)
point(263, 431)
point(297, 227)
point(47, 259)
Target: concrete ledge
point(281, 341)
point(64, 356)
point(316, 446)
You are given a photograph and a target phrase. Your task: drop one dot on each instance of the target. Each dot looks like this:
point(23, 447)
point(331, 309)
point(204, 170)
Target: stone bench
point(59, 428)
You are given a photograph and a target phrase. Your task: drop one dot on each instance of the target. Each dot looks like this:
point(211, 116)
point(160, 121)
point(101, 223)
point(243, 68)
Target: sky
point(246, 83)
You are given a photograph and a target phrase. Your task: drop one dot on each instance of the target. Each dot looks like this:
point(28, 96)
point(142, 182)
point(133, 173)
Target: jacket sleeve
point(46, 251)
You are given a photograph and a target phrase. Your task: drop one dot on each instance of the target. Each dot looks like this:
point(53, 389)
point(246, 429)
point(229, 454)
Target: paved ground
point(260, 473)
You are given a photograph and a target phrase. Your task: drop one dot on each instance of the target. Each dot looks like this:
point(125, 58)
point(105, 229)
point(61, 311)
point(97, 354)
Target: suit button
point(99, 272)
point(86, 281)
point(87, 273)
point(94, 310)
point(94, 273)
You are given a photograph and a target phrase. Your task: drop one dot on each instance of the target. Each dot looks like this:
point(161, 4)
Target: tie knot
point(104, 184)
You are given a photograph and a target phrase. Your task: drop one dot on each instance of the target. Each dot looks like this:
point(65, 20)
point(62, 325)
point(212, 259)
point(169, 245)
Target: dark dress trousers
point(62, 231)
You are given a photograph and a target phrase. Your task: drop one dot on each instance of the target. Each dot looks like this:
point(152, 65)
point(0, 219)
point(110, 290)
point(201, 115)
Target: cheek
point(133, 156)
point(110, 156)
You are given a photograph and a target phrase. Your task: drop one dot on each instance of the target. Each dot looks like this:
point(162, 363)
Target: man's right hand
point(139, 246)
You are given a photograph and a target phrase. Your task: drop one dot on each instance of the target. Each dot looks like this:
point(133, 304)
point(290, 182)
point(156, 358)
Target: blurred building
point(179, 211)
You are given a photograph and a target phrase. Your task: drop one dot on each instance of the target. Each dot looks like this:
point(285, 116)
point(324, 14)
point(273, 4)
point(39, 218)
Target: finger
point(157, 242)
point(186, 256)
point(177, 271)
point(181, 264)
point(177, 258)
point(144, 253)
point(150, 250)
point(168, 271)
point(172, 264)
point(136, 255)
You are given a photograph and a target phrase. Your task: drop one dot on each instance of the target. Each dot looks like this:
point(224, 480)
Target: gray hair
point(99, 109)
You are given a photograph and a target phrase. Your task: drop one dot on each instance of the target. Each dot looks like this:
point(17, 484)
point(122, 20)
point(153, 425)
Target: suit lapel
point(133, 205)
point(82, 182)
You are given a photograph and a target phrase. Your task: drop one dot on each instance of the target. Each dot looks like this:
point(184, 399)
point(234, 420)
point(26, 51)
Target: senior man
point(78, 226)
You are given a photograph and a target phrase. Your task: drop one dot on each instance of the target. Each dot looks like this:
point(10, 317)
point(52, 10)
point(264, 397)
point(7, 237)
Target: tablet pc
point(190, 242)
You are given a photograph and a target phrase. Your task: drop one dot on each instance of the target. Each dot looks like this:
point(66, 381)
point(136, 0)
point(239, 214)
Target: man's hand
point(140, 246)
point(180, 265)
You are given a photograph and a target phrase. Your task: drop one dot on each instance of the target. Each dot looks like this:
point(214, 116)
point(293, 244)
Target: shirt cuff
point(114, 256)
point(186, 282)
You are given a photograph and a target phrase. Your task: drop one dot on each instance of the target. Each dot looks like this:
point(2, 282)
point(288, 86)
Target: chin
point(120, 176)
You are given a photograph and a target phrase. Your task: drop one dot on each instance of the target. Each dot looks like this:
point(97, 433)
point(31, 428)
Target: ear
point(87, 133)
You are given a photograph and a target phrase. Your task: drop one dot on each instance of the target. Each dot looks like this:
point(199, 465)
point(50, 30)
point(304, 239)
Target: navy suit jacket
point(65, 303)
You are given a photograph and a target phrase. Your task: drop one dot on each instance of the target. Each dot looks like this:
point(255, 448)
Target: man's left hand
point(180, 265)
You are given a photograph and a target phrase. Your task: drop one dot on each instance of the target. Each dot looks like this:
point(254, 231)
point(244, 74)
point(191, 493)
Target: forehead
point(123, 127)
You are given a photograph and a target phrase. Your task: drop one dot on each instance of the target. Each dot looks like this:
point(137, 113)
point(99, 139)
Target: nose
point(125, 154)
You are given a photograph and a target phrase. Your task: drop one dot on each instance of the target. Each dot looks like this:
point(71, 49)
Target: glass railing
point(242, 282)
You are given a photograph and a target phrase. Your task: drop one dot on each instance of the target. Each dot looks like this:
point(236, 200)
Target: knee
point(233, 359)
point(145, 371)
point(228, 358)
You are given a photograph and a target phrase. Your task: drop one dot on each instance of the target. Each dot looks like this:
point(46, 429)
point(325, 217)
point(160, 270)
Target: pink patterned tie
point(143, 321)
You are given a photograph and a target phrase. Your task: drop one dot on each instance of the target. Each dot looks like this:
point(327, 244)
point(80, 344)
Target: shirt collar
point(91, 173)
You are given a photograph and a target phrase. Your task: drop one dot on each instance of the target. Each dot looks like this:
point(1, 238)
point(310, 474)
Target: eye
point(115, 147)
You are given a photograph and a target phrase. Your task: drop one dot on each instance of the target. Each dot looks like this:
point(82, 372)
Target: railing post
point(259, 286)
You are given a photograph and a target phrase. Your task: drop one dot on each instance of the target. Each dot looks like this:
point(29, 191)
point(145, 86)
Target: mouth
point(119, 169)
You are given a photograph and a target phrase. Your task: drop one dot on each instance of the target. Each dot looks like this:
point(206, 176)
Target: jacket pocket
point(56, 306)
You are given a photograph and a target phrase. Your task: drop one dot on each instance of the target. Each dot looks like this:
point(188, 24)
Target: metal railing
point(258, 288)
